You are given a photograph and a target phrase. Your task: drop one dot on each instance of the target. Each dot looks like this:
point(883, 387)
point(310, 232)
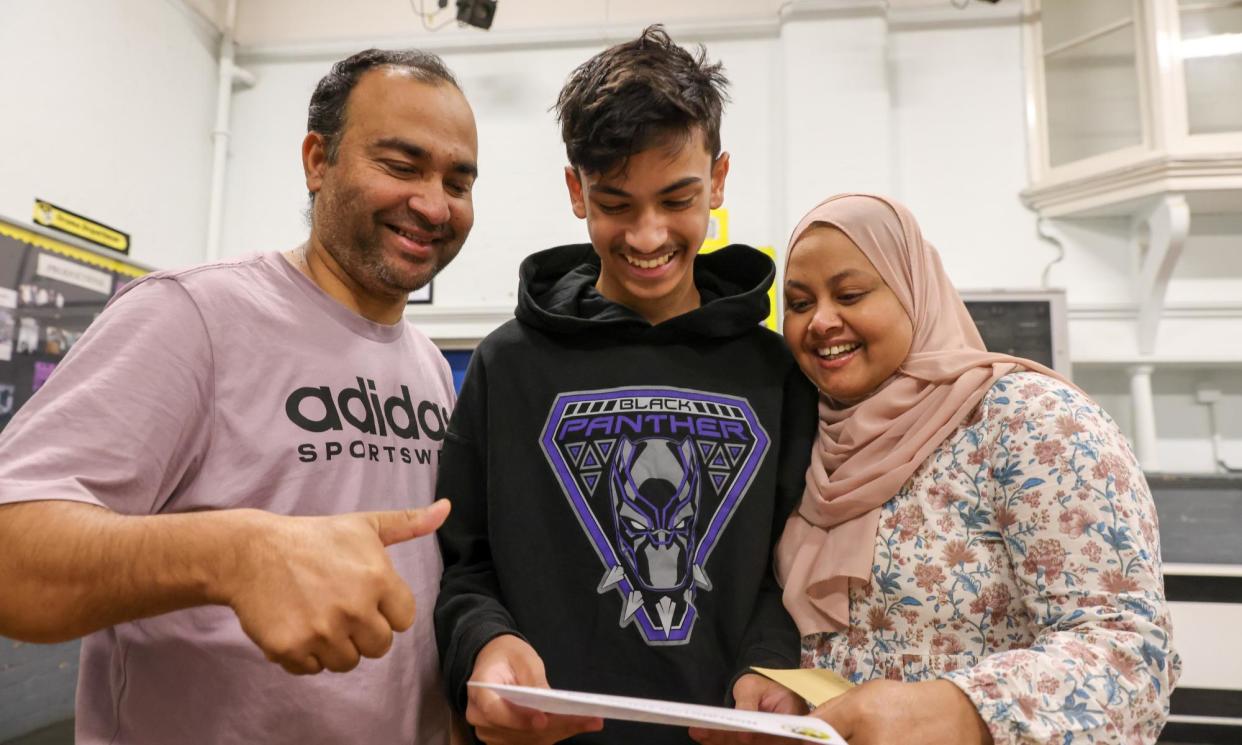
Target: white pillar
point(835, 103)
point(1144, 417)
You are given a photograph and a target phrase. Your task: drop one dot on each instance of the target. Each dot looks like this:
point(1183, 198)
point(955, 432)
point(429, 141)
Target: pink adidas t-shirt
point(241, 384)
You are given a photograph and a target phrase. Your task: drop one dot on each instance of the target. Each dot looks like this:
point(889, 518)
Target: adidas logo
point(318, 409)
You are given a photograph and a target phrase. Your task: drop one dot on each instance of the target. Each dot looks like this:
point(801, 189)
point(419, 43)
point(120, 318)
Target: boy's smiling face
point(647, 221)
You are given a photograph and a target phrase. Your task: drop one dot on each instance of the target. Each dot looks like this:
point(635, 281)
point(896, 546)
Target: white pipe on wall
point(228, 75)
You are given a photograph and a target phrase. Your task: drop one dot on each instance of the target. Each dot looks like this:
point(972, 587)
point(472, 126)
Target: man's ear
point(314, 160)
point(720, 171)
point(574, 184)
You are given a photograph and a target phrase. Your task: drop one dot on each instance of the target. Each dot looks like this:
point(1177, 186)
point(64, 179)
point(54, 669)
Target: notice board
point(50, 291)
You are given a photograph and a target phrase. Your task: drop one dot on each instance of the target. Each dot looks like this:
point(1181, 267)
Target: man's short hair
point(634, 95)
point(326, 115)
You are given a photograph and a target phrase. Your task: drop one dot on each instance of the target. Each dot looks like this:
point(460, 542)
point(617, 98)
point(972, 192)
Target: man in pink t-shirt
point(228, 469)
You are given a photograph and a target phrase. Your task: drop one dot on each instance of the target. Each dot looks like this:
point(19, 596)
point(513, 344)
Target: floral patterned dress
point(1021, 561)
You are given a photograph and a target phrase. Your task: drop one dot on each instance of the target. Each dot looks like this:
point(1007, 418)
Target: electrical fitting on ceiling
point(477, 13)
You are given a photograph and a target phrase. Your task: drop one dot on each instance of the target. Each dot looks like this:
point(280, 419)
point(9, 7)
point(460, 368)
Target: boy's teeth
point(836, 349)
point(652, 264)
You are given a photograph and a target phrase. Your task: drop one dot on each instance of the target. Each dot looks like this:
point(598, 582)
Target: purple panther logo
point(654, 477)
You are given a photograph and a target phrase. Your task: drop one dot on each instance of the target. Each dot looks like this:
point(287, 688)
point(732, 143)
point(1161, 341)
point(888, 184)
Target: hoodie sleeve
point(771, 637)
point(469, 612)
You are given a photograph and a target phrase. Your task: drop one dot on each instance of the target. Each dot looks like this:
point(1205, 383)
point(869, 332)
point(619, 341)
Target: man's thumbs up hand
point(402, 525)
point(318, 593)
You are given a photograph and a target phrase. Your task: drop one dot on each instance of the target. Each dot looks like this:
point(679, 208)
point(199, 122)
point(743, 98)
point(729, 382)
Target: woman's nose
point(825, 321)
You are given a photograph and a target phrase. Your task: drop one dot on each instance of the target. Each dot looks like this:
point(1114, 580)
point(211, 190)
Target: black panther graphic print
point(654, 476)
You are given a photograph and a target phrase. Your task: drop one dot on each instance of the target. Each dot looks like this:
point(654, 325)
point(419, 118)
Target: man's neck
point(314, 261)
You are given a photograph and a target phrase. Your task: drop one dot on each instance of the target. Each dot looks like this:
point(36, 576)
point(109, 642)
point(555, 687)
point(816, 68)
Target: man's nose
point(431, 202)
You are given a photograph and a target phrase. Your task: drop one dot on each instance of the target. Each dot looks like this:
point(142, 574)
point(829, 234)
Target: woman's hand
point(754, 692)
point(884, 712)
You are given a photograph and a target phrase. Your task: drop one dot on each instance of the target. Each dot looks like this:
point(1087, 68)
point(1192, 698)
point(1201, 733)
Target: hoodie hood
point(557, 294)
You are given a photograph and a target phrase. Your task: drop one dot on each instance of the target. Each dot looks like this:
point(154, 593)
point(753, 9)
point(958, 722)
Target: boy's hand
point(511, 661)
point(754, 692)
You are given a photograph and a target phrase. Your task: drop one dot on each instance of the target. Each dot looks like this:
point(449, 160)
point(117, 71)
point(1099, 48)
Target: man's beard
point(364, 259)
point(370, 259)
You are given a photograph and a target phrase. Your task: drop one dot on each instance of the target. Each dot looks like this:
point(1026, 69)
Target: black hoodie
point(618, 488)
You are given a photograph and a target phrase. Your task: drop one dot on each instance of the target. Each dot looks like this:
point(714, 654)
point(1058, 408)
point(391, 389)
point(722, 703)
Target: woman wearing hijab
point(976, 539)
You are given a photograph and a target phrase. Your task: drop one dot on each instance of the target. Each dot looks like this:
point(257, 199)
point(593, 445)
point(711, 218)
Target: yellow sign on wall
point(717, 230)
point(770, 321)
point(718, 238)
point(49, 215)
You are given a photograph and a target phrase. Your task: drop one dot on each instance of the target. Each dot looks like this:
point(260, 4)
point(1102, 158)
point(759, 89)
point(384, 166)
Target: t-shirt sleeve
point(125, 417)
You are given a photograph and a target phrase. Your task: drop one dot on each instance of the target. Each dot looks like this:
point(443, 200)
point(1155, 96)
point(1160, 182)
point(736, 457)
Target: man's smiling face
point(394, 205)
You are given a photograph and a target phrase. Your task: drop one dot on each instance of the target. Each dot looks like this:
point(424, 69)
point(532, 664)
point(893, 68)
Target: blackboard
point(1030, 324)
point(1200, 518)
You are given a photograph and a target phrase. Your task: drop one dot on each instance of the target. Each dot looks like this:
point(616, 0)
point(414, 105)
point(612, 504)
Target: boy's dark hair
point(632, 95)
point(326, 115)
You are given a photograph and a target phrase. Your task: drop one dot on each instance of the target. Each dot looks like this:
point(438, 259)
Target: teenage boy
point(625, 452)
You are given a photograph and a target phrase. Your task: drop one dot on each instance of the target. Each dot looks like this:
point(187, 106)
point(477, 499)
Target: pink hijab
point(865, 453)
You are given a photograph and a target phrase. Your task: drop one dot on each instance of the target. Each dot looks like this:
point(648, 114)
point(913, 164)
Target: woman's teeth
point(837, 350)
point(651, 264)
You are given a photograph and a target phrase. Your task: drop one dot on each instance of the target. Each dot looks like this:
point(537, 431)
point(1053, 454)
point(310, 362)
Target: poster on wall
point(50, 291)
point(421, 296)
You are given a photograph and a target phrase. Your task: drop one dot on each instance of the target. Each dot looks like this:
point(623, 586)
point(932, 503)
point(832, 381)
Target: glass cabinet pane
point(1092, 87)
point(1211, 50)
point(1065, 20)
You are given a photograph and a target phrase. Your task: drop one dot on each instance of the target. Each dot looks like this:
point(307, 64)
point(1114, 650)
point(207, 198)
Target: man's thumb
point(402, 525)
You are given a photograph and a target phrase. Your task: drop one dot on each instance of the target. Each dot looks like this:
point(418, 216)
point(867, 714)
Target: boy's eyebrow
point(610, 190)
point(679, 184)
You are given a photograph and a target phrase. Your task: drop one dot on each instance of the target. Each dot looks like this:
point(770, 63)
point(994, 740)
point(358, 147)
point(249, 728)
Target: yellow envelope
point(816, 685)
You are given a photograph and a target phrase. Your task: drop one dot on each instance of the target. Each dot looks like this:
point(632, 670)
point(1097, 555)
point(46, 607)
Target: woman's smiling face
point(845, 326)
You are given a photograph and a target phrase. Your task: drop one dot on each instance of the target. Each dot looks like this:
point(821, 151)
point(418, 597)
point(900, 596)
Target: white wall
point(108, 113)
point(960, 153)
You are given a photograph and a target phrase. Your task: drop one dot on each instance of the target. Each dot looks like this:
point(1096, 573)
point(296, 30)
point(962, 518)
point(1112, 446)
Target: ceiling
point(263, 22)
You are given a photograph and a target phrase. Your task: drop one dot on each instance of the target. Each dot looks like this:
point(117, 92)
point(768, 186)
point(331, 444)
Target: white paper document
point(654, 711)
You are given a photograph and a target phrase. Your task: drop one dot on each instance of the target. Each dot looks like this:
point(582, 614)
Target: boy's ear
point(574, 184)
point(720, 171)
